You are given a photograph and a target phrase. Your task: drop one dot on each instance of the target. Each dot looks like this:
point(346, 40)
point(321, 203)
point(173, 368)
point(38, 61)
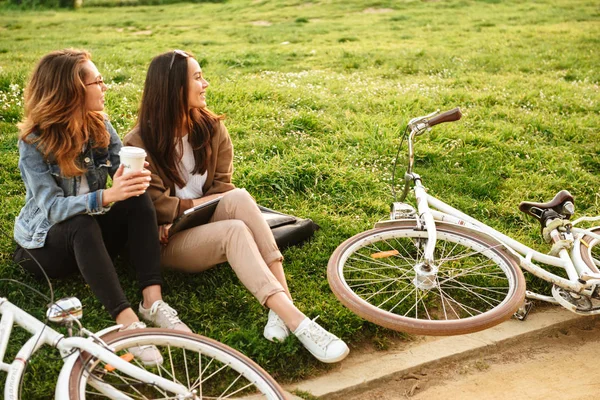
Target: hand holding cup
point(131, 179)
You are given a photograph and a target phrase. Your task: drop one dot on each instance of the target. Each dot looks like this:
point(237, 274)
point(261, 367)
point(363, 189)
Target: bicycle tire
point(212, 360)
point(438, 317)
point(590, 250)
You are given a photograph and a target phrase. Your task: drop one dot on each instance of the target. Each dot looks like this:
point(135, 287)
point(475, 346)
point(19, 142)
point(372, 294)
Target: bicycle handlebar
point(418, 126)
point(448, 116)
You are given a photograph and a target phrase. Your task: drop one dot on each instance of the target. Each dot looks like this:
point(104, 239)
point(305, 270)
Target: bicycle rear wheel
point(212, 369)
point(590, 250)
point(380, 274)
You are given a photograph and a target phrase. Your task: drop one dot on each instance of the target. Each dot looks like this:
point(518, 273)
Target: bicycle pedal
point(127, 357)
point(523, 311)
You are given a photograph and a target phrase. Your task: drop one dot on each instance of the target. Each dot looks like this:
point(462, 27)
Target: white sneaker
point(146, 354)
point(325, 346)
point(275, 330)
point(164, 316)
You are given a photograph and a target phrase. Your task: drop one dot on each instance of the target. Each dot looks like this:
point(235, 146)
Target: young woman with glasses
point(70, 221)
point(191, 159)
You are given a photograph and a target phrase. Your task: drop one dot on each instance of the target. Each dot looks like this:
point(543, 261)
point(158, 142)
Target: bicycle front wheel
point(206, 367)
point(382, 276)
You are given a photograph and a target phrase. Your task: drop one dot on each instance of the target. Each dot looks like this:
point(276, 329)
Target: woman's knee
point(238, 197)
point(140, 204)
point(81, 224)
point(236, 227)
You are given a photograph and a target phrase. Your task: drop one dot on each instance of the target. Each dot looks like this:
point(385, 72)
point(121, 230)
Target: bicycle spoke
point(229, 387)
point(172, 365)
point(371, 260)
point(214, 373)
point(187, 372)
point(131, 382)
point(492, 289)
point(380, 290)
point(401, 301)
point(374, 274)
point(424, 305)
point(464, 272)
point(239, 390)
point(443, 303)
point(361, 266)
point(369, 281)
point(478, 295)
point(409, 261)
point(372, 281)
point(446, 300)
point(464, 307)
point(471, 254)
point(198, 382)
point(200, 371)
point(416, 304)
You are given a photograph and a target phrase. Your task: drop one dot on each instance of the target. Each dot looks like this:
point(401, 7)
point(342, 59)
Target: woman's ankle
point(286, 310)
point(150, 295)
point(127, 317)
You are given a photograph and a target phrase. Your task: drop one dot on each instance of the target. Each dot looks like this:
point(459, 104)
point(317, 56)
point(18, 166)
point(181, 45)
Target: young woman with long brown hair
point(70, 221)
point(191, 159)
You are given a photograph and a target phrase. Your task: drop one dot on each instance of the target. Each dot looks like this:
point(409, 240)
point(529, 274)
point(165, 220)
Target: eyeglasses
point(99, 81)
point(179, 52)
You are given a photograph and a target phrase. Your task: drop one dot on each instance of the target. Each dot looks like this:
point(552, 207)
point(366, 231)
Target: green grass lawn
point(316, 94)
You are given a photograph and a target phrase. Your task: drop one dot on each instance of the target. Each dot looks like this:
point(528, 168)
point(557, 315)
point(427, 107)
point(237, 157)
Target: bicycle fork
point(425, 272)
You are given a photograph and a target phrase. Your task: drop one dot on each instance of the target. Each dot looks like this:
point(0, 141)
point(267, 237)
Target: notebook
point(195, 216)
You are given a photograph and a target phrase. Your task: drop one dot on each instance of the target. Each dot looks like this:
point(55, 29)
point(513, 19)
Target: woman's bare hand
point(163, 233)
point(204, 199)
point(126, 185)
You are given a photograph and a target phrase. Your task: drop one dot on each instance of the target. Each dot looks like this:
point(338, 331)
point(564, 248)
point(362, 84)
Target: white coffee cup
point(132, 158)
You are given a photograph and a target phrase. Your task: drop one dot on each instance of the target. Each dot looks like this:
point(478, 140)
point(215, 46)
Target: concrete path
point(363, 369)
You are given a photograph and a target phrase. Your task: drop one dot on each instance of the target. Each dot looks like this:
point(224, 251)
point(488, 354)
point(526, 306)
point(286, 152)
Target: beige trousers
point(237, 233)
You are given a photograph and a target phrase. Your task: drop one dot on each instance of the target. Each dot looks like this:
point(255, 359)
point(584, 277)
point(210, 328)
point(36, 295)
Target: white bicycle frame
point(581, 279)
point(70, 349)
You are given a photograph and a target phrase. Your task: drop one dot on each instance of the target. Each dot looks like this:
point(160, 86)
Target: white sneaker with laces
point(275, 330)
point(325, 346)
point(162, 315)
point(146, 354)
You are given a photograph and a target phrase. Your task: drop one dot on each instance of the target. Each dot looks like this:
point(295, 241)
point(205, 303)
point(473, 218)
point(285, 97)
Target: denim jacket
point(52, 198)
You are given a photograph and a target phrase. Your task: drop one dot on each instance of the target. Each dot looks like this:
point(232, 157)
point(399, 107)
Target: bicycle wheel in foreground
point(211, 369)
point(380, 274)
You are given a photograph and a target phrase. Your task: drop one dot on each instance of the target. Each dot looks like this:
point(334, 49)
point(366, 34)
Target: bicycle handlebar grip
point(448, 116)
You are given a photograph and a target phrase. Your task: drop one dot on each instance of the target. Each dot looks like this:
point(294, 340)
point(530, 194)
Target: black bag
point(287, 229)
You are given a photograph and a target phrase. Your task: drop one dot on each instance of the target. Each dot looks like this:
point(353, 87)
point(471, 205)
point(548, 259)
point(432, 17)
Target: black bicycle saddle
point(555, 208)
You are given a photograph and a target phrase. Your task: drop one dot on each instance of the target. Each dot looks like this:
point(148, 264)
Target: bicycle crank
point(576, 302)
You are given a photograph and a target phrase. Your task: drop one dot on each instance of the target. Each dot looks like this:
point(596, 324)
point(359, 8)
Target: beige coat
point(162, 190)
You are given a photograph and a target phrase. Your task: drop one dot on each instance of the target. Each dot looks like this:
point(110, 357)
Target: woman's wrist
point(107, 197)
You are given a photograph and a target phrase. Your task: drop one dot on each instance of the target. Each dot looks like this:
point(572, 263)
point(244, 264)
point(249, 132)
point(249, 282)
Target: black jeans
point(88, 244)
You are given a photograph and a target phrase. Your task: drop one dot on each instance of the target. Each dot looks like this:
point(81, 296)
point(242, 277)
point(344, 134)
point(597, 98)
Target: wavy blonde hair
point(56, 117)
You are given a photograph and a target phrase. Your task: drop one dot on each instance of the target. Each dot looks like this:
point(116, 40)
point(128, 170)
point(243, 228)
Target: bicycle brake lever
point(423, 118)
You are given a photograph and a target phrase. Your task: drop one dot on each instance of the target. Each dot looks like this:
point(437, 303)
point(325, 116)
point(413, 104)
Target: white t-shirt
point(84, 187)
point(194, 182)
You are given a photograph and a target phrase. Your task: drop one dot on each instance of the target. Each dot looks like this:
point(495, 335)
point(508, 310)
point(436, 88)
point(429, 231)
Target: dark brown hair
point(163, 112)
point(56, 117)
